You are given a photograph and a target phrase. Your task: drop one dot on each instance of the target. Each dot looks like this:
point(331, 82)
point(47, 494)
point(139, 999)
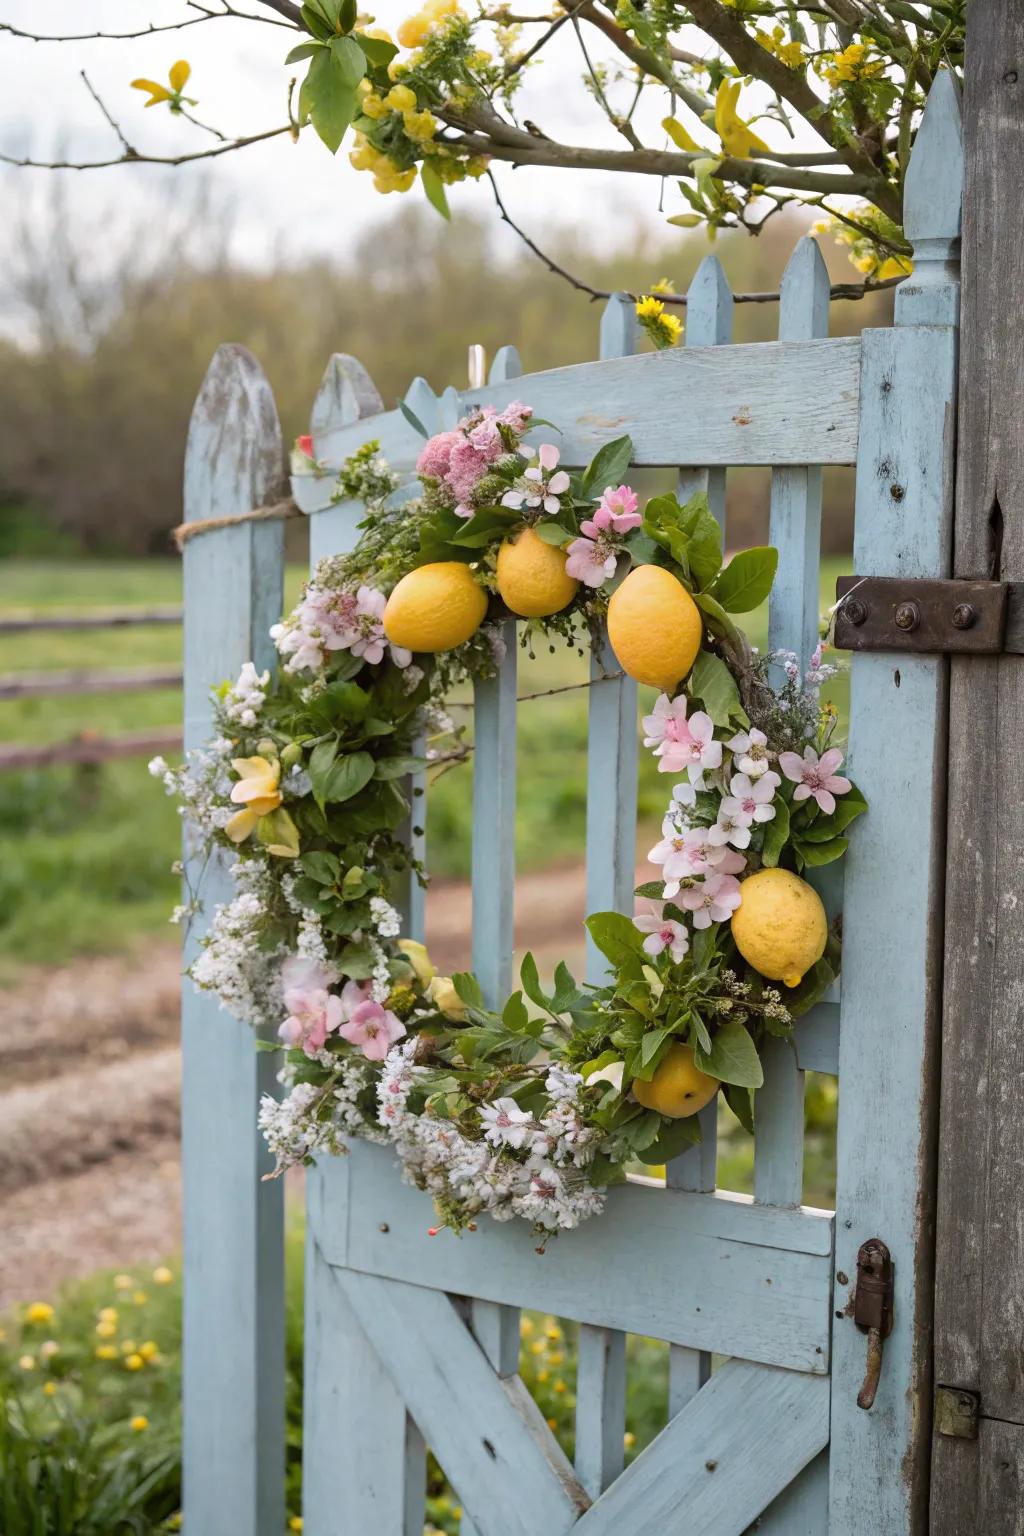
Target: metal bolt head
point(907, 616)
point(964, 615)
point(856, 611)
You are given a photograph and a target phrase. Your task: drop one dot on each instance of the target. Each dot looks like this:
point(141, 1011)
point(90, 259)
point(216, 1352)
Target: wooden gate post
point(978, 1484)
point(233, 1224)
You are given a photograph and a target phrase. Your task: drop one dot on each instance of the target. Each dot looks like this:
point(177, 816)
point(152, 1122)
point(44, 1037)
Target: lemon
point(780, 925)
point(655, 627)
point(678, 1087)
point(531, 576)
point(435, 607)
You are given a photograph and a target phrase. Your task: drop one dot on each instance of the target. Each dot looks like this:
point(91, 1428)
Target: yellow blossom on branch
point(178, 75)
point(663, 329)
point(256, 791)
point(738, 138)
point(38, 1312)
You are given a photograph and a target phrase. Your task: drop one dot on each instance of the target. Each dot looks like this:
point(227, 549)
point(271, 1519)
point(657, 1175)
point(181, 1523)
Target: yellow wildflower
point(380, 33)
point(148, 1351)
point(852, 65)
point(525, 1323)
point(680, 136)
point(649, 308)
point(128, 1347)
point(295, 1523)
point(560, 1386)
point(400, 99)
point(394, 181)
point(738, 138)
point(672, 326)
point(38, 1312)
point(537, 1347)
point(140, 1298)
point(256, 791)
point(106, 1330)
point(138, 1423)
point(123, 1282)
point(162, 1275)
point(553, 1331)
point(556, 1359)
point(419, 126)
point(552, 1423)
point(178, 76)
point(373, 106)
point(106, 1352)
point(663, 285)
point(108, 1314)
point(543, 1375)
point(134, 1363)
point(413, 30)
point(27, 1363)
point(629, 1439)
point(894, 266)
point(49, 1388)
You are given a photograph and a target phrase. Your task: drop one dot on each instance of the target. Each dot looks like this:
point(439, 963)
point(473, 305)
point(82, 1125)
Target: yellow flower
point(680, 136)
point(295, 1523)
point(552, 1423)
point(413, 30)
point(49, 1388)
point(380, 33)
point(139, 1422)
point(437, 10)
point(649, 308)
point(106, 1352)
point(175, 1522)
point(418, 958)
point(106, 1330)
point(738, 138)
point(556, 1359)
point(538, 1347)
point(373, 106)
point(162, 1275)
point(553, 1331)
point(123, 1282)
point(629, 1439)
point(38, 1312)
point(128, 1346)
point(27, 1363)
point(178, 76)
point(419, 126)
point(445, 998)
point(663, 285)
point(140, 1298)
point(148, 1351)
point(134, 1363)
point(400, 99)
point(560, 1386)
point(256, 791)
point(108, 1314)
point(543, 1375)
point(48, 1349)
point(525, 1323)
point(672, 326)
point(894, 266)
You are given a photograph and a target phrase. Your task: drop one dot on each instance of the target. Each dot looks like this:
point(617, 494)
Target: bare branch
point(133, 157)
point(148, 31)
point(106, 113)
point(285, 8)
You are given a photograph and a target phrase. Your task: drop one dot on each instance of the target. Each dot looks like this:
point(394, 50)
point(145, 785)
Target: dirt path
point(89, 1071)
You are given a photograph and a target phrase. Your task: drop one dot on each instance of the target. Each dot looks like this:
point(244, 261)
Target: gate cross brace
point(917, 614)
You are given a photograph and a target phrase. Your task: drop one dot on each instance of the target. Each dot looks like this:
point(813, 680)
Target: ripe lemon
point(678, 1087)
point(435, 607)
point(531, 576)
point(780, 925)
point(655, 627)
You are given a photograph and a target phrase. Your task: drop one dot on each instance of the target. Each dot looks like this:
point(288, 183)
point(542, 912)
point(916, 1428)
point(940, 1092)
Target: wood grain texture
point(233, 1348)
point(709, 311)
point(892, 969)
point(724, 1275)
point(494, 816)
point(507, 1469)
point(600, 1406)
point(721, 1460)
point(980, 1245)
point(764, 403)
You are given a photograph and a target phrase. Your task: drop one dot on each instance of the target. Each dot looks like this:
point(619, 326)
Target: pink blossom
point(313, 1012)
point(689, 744)
point(748, 803)
point(369, 1024)
point(814, 777)
point(713, 901)
point(663, 933)
point(541, 485)
point(667, 719)
point(517, 416)
point(436, 454)
point(690, 854)
point(617, 511)
point(750, 749)
point(591, 562)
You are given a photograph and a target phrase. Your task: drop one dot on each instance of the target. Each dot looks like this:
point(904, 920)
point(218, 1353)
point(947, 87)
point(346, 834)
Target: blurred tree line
point(118, 318)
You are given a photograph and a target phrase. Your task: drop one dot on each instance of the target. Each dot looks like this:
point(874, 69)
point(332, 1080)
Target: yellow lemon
point(655, 627)
point(780, 925)
point(678, 1087)
point(435, 607)
point(531, 576)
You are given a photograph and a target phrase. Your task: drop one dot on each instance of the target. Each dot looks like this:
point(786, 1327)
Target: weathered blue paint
point(233, 1352)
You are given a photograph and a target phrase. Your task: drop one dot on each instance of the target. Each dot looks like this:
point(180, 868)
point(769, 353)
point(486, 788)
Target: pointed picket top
point(619, 327)
point(506, 365)
point(423, 403)
point(234, 453)
point(805, 292)
point(346, 394)
point(709, 306)
point(933, 188)
point(450, 409)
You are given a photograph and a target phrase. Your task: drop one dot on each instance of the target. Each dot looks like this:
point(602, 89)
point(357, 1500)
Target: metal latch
point(873, 1310)
point(956, 1412)
point(895, 613)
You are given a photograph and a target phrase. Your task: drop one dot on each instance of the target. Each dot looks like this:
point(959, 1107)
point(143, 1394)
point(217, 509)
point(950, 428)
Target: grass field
point(86, 852)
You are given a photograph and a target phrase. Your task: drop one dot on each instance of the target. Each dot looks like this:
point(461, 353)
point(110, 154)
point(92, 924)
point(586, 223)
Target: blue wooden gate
point(412, 1342)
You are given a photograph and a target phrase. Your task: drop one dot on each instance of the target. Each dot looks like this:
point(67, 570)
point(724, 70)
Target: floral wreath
point(533, 1111)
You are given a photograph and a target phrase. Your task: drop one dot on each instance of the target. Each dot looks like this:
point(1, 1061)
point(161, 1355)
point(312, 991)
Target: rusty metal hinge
point(895, 613)
point(956, 1412)
point(873, 1299)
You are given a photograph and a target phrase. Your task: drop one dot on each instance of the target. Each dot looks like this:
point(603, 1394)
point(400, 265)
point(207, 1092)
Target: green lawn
point(87, 851)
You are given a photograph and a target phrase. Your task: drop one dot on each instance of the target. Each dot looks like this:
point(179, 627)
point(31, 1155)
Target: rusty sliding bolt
point(873, 1310)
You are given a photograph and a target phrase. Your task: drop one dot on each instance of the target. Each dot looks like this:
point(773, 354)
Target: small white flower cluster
point(299, 1125)
point(243, 702)
point(202, 784)
point(355, 1074)
point(380, 982)
point(245, 977)
point(386, 919)
point(310, 943)
point(522, 1166)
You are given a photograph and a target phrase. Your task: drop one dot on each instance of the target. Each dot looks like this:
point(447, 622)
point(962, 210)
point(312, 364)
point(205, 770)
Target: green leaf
point(357, 962)
point(776, 834)
point(747, 579)
point(651, 890)
point(718, 621)
point(651, 1046)
point(347, 13)
point(433, 186)
point(303, 51)
point(530, 978)
point(398, 767)
point(740, 1101)
point(412, 419)
point(316, 22)
point(468, 988)
point(378, 50)
point(514, 1014)
point(553, 533)
point(338, 778)
point(732, 1058)
point(816, 854)
point(349, 61)
point(328, 95)
point(704, 549)
point(674, 1137)
point(713, 683)
point(322, 867)
point(615, 936)
point(566, 991)
point(485, 526)
point(607, 467)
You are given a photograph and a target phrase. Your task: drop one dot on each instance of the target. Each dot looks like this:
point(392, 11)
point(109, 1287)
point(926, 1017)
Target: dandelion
point(162, 1275)
point(38, 1312)
point(138, 1423)
point(148, 1350)
point(49, 1388)
point(629, 1440)
point(107, 1314)
point(123, 1282)
point(106, 1329)
point(295, 1523)
point(134, 1362)
point(105, 1352)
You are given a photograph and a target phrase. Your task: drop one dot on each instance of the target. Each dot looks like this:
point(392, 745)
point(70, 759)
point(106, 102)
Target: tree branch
point(286, 9)
point(133, 157)
point(149, 31)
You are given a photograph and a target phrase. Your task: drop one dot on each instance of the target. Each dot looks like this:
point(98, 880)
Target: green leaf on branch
point(675, 1137)
point(412, 419)
point(713, 683)
point(337, 778)
point(747, 579)
point(433, 186)
point(740, 1101)
point(776, 834)
point(530, 978)
point(303, 51)
point(732, 1058)
point(607, 467)
point(615, 936)
point(349, 61)
point(816, 854)
point(468, 988)
point(398, 767)
point(553, 533)
point(377, 49)
point(316, 22)
point(328, 95)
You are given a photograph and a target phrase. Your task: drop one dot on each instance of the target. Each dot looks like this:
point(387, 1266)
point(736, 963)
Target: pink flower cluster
point(814, 776)
point(542, 485)
point(331, 620)
point(682, 743)
point(459, 459)
point(314, 1012)
point(593, 558)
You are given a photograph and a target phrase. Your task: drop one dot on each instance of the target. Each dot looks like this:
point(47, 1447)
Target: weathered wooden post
point(233, 1223)
point(978, 1446)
